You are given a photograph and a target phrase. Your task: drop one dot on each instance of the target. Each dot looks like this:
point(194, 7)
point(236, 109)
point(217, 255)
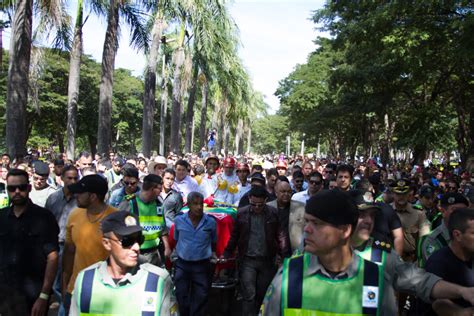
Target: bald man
point(290, 213)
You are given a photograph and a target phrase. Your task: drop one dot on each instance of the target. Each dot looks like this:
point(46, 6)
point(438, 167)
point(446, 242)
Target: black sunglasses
point(129, 183)
point(21, 187)
point(129, 241)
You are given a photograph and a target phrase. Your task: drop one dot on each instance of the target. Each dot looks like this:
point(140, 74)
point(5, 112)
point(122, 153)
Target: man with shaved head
point(290, 213)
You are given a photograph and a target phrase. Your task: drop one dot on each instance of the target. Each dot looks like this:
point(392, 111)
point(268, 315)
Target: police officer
point(119, 285)
point(439, 237)
point(329, 278)
point(149, 210)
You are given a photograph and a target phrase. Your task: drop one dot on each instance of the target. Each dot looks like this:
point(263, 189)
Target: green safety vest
point(317, 295)
point(151, 220)
point(143, 298)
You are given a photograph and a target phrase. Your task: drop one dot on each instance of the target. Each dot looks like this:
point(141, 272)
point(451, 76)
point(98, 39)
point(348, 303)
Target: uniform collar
point(315, 267)
point(107, 279)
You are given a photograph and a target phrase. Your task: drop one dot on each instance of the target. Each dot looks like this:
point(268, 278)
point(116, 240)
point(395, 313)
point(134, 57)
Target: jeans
point(57, 282)
point(67, 303)
point(193, 282)
point(255, 275)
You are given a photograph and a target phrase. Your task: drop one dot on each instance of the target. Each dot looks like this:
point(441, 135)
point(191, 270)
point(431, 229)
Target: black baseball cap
point(454, 198)
point(257, 176)
point(92, 183)
point(333, 206)
point(41, 168)
point(121, 223)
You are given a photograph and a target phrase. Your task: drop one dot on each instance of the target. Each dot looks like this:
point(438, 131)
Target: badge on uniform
point(370, 296)
point(149, 302)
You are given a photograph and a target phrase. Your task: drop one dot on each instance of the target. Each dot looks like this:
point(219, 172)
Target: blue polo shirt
point(194, 244)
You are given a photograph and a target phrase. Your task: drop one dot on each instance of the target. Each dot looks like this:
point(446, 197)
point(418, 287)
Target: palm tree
point(17, 86)
point(159, 24)
point(74, 72)
point(139, 38)
point(74, 82)
point(52, 17)
point(178, 62)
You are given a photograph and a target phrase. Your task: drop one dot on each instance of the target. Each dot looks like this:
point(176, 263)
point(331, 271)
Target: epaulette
point(154, 269)
point(383, 245)
point(129, 197)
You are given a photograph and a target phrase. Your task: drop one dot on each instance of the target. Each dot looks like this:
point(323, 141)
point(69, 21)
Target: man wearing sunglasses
point(315, 184)
point(28, 251)
point(119, 285)
point(130, 188)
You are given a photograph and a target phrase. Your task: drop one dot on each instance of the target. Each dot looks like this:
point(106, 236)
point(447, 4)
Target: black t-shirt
point(25, 243)
point(386, 220)
point(447, 266)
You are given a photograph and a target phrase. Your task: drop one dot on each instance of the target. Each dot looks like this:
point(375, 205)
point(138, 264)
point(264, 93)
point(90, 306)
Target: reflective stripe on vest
point(151, 286)
point(293, 292)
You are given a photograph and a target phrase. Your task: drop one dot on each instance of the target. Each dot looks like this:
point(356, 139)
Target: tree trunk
point(190, 111)
point(74, 83)
point(150, 86)
point(92, 144)
point(104, 132)
point(164, 107)
point(238, 136)
point(226, 137)
point(202, 128)
point(60, 139)
point(177, 102)
point(18, 72)
point(249, 139)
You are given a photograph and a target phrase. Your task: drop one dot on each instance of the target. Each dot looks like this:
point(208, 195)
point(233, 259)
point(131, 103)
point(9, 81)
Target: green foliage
point(394, 76)
point(47, 122)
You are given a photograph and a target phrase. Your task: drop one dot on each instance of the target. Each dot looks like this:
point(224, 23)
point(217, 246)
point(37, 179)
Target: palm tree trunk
point(249, 139)
point(17, 86)
point(190, 111)
point(202, 128)
point(238, 136)
point(74, 83)
point(226, 137)
point(164, 107)
point(104, 132)
point(150, 86)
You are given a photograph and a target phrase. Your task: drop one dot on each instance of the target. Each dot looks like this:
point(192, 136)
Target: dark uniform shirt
point(25, 243)
point(385, 222)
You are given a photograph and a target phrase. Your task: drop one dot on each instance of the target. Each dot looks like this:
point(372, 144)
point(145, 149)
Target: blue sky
point(275, 34)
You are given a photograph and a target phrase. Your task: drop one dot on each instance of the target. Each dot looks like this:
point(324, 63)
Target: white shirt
point(186, 186)
point(302, 196)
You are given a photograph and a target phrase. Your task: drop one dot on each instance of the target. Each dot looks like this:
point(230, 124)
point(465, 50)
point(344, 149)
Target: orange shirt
point(84, 233)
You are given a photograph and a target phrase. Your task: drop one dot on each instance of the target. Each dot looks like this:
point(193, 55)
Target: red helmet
point(282, 164)
point(243, 166)
point(229, 162)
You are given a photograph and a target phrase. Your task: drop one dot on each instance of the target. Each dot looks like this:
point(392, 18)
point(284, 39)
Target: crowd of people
point(96, 235)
